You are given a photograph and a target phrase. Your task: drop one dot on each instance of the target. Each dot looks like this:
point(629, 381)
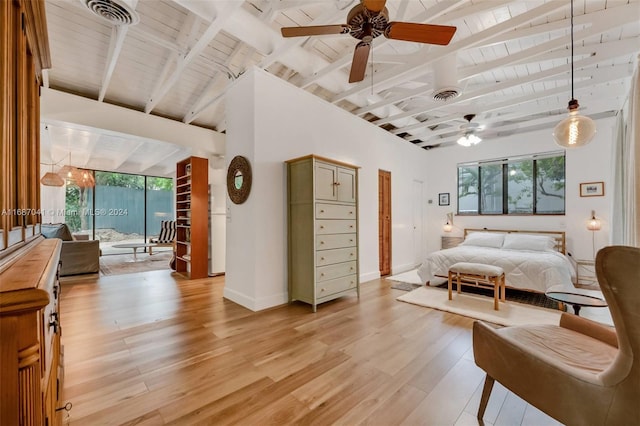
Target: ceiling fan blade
point(359, 64)
point(374, 6)
point(422, 33)
point(314, 30)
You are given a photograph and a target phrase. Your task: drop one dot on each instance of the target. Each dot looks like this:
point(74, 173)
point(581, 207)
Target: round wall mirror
point(239, 179)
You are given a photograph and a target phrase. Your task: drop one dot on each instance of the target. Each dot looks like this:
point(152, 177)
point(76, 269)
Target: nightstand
point(586, 273)
point(450, 242)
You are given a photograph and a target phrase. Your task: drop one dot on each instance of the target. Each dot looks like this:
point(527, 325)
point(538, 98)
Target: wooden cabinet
point(192, 217)
point(30, 361)
point(323, 229)
point(24, 53)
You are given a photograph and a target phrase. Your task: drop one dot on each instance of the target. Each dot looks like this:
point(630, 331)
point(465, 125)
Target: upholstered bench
point(478, 275)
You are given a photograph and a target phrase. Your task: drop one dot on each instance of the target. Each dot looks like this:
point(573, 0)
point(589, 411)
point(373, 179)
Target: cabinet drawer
point(335, 226)
point(329, 272)
point(327, 288)
point(328, 257)
point(326, 242)
point(335, 211)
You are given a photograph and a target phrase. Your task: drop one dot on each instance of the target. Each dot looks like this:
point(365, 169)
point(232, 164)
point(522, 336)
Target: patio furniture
point(167, 235)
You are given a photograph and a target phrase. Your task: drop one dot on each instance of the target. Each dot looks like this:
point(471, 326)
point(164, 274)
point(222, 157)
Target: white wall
point(270, 121)
point(590, 163)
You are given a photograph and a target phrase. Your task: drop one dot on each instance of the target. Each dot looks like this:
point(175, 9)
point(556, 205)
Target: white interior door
point(418, 220)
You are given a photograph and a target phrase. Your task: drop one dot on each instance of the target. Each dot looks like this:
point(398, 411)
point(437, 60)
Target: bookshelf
point(192, 221)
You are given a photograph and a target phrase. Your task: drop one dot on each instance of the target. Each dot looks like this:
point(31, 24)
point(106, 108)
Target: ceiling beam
point(200, 105)
point(627, 45)
point(264, 63)
point(432, 14)
point(119, 160)
point(604, 76)
point(145, 166)
point(118, 34)
point(422, 59)
point(206, 38)
point(493, 88)
point(185, 36)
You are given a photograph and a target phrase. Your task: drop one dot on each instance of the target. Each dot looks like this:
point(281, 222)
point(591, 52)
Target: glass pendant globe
point(574, 131)
point(468, 140)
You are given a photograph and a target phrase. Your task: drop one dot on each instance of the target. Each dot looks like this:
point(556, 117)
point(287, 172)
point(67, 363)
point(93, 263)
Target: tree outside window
point(528, 185)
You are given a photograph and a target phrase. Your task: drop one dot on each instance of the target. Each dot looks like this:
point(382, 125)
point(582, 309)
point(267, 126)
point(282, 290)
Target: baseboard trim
point(369, 276)
point(255, 304)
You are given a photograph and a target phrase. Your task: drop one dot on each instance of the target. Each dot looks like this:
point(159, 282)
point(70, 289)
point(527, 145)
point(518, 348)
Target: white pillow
point(484, 239)
point(528, 242)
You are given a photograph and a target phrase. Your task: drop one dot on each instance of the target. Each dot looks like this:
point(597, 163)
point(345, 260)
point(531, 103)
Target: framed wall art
point(592, 189)
point(443, 199)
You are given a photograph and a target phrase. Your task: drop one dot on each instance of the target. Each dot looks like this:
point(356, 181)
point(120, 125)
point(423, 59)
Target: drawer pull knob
point(351, 240)
point(350, 226)
point(321, 242)
point(53, 321)
point(321, 226)
point(321, 211)
point(321, 290)
point(322, 258)
point(350, 254)
point(322, 274)
point(350, 212)
point(351, 269)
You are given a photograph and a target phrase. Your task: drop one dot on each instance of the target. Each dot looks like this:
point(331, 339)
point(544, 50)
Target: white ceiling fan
point(469, 132)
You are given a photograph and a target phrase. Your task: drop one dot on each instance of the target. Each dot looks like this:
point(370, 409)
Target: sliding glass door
point(119, 210)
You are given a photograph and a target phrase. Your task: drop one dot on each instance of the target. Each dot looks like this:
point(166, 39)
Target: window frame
point(504, 162)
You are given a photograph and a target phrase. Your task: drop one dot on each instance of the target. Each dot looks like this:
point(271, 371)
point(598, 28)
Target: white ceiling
point(510, 59)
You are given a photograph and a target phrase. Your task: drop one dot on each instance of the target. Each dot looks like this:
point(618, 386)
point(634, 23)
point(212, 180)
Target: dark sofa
point(77, 257)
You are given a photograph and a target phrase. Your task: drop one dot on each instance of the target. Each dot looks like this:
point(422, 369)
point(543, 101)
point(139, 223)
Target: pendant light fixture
point(576, 130)
point(51, 179)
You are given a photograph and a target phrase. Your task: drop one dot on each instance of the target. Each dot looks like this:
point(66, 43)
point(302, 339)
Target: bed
point(532, 260)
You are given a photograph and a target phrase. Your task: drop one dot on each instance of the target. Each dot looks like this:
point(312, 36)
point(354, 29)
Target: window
point(121, 208)
point(532, 184)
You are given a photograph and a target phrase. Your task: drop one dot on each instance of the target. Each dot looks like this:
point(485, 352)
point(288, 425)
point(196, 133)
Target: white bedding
point(530, 270)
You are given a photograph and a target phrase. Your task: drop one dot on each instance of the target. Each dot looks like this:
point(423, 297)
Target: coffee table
point(576, 300)
point(134, 246)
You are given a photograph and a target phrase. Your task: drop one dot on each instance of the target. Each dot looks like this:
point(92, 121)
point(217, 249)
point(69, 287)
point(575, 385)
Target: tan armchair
point(579, 372)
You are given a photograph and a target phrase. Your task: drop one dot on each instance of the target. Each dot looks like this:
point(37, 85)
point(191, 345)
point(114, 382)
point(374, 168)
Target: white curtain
point(625, 223)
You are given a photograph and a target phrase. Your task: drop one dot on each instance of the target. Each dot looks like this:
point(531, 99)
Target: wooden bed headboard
point(558, 236)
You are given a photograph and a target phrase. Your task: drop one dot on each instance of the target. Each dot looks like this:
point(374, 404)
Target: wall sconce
point(593, 224)
point(447, 227)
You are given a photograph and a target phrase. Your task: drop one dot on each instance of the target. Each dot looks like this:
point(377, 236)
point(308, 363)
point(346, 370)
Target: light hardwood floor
point(154, 348)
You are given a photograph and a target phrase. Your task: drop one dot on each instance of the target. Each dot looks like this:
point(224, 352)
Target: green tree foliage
point(119, 179)
point(550, 179)
point(550, 174)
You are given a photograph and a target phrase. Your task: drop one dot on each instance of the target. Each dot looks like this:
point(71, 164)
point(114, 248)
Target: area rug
point(409, 277)
point(120, 264)
point(479, 307)
point(410, 280)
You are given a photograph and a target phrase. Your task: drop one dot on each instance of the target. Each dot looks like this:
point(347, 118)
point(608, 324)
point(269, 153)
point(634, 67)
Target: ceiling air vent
point(446, 93)
point(445, 79)
point(117, 12)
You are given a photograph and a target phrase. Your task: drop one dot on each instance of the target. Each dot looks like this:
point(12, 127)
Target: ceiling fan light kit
point(576, 130)
point(469, 138)
point(368, 20)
